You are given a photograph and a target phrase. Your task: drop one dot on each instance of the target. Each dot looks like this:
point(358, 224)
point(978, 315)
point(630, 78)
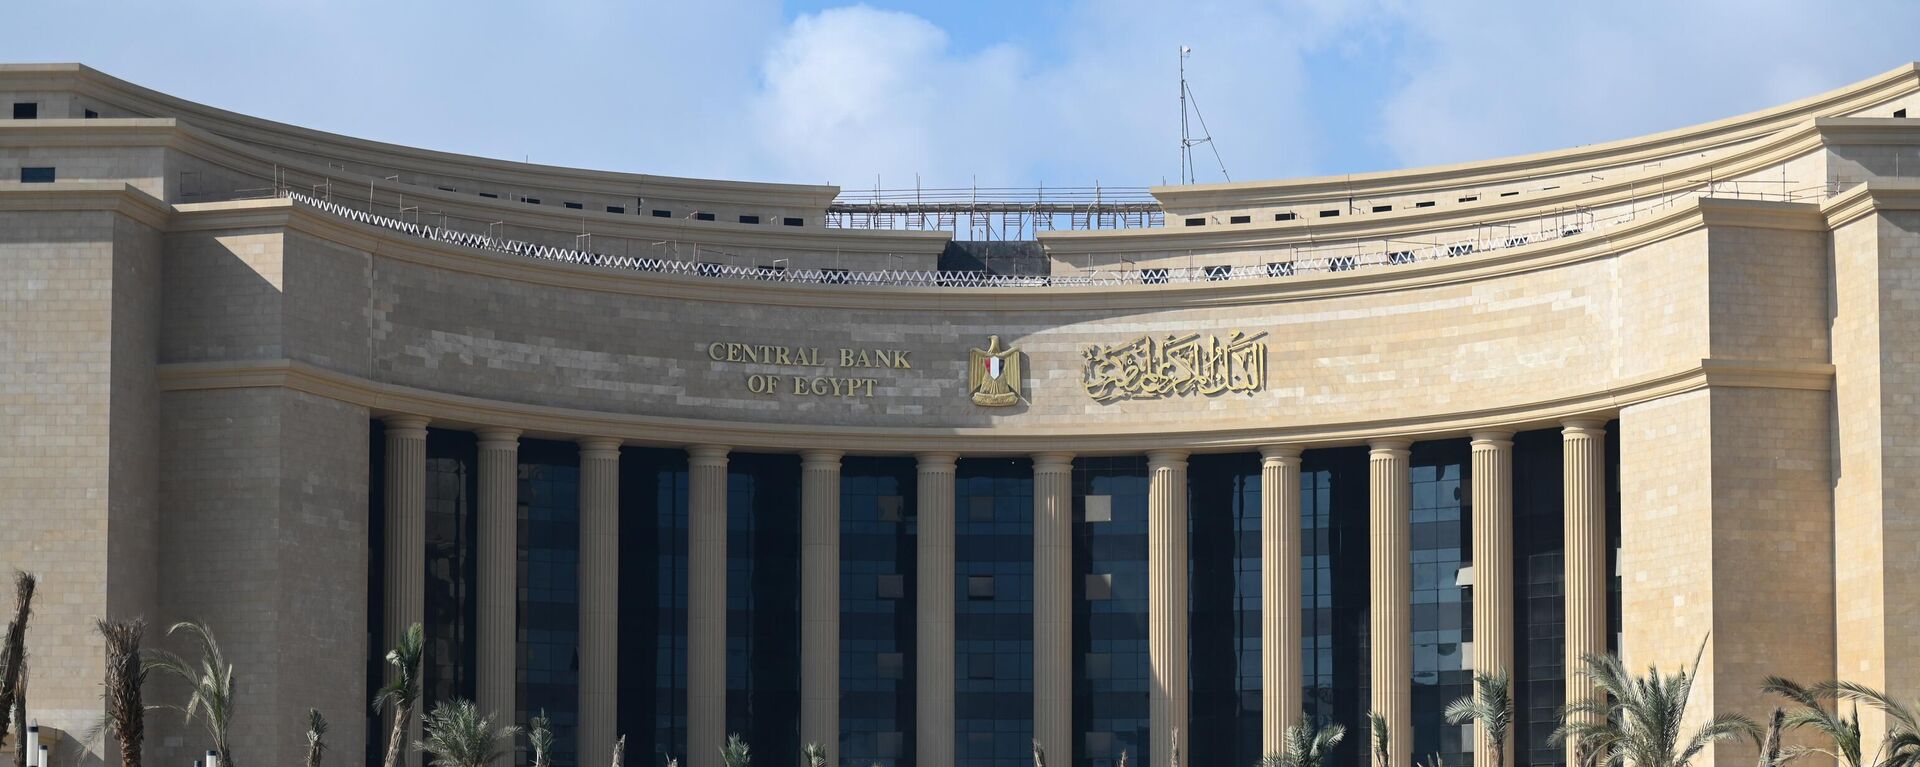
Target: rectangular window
point(745, 219)
point(1279, 268)
point(1382, 208)
point(979, 587)
point(1157, 276)
point(979, 666)
point(36, 175)
point(1284, 217)
point(980, 508)
point(1099, 587)
point(890, 586)
point(662, 213)
point(616, 209)
point(490, 195)
point(530, 200)
point(1899, 113)
point(1099, 508)
point(1329, 213)
point(26, 110)
point(574, 205)
point(1423, 204)
point(1240, 220)
point(1399, 257)
point(1508, 194)
point(1196, 222)
point(1219, 272)
point(890, 665)
point(703, 216)
point(1470, 199)
point(92, 114)
point(792, 221)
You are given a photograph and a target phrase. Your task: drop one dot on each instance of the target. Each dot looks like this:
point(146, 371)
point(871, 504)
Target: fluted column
point(1280, 702)
point(1167, 599)
point(706, 604)
point(933, 663)
point(406, 528)
point(1053, 605)
point(1583, 462)
point(496, 642)
point(1389, 561)
point(599, 597)
point(1492, 525)
point(820, 600)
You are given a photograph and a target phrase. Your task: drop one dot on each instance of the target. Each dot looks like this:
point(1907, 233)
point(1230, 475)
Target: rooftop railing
point(1366, 254)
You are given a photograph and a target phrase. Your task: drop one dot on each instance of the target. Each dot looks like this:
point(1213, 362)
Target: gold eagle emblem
point(993, 375)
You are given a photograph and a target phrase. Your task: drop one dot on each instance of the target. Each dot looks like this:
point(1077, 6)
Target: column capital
point(1583, 427)
point(707, 455)
point(941, 462)
point(498, 436)
point(407, 425)
point(1491, 438)
point(820, 458)
point(1389, 447)
point(1053, 461)
point(600, 447)
point(1172, 459)
point(1279, 454)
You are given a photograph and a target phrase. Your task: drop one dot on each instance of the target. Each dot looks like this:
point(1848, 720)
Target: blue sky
point(993, 92)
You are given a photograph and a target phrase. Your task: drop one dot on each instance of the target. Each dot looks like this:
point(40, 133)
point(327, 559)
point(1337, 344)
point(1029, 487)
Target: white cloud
point(1487, 79)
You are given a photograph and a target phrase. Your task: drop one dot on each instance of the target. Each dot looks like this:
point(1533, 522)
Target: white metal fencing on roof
point(1366, 254)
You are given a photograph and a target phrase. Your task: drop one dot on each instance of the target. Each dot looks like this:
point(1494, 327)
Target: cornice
point(269, 134)
point(1413, 224)
point(460, 411)
point(1636, 150)
point(1868, 198)
point(110, 196)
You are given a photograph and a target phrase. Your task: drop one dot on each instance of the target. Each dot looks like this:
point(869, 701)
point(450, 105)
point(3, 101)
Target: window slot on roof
point(1196, 221)
point(26, 110)
point(1508, 194)
point(1240, 220)
point(1329, 213)
point(1470, 199)
point(703, 216)
point(746, 219)
point(793, 221)
point(1284, 216)
point(490, 195)
point(662, 214)
point(616, 209)
point(1424, 204)
point(1382, 208)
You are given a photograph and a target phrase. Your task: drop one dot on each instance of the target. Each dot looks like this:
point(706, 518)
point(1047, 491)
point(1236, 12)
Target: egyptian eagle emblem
point(993, 375)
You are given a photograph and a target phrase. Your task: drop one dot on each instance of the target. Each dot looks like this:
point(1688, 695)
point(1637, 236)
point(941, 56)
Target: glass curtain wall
point(1112, 674)
point(653, 604)
point(993, 612)
point(877, 611)
point(1335, 595)
point(763, 604)
point(1223, 512)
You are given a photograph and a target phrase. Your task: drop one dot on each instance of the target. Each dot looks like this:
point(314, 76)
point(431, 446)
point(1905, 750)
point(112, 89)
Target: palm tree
point(619, 751)
point(14, 653)
point(126, 715)
point(209, 683)
point(1039, 754)
point(1638, 721)
point(815, 754)
point(316, 728)
point(1491, 707)
point(736, 753)
point(1306, 744)
point(1770, 755)
point(1900, 746)
point(403, 690)
point(458, 735)
point(1382, 739)
point(540, 736)
point(1810, 711)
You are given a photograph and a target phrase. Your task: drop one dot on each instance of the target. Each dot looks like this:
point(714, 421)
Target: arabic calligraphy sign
point(1176, 366)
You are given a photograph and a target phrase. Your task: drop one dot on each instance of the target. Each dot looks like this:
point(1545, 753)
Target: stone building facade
point(671, 459)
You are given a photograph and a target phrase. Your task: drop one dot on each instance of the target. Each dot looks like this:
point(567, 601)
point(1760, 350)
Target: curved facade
point(671, 458)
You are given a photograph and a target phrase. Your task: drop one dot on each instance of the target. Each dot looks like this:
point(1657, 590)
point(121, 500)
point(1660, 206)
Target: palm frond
point(458, 735)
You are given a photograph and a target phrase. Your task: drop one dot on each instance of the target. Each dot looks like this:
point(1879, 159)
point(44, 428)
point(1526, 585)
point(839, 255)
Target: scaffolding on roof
point(997, 213)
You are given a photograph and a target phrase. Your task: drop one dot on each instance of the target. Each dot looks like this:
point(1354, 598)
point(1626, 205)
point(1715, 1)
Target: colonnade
point(1389, 495)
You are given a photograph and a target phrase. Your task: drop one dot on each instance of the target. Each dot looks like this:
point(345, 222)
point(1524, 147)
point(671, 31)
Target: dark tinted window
point(36, 175)
point(25, 110)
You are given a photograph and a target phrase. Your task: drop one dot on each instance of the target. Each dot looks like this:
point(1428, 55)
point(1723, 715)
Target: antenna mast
point(1187, 141)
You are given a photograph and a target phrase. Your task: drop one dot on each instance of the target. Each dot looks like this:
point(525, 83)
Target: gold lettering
point(900, 359)
point(713, 351)
point(1176, 366)
point(870, 383)
point(784, 359)
point(799, 386)
point(846, 358)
